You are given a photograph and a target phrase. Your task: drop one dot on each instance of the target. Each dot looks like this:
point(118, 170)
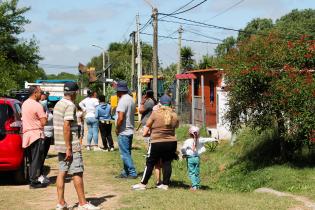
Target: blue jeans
point(125, 144)
point(92, 124)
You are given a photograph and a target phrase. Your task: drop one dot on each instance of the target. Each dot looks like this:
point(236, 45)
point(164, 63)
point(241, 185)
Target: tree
point(224, 47)
point(169, 75)
point(187, 58)
point(207, 62)
point(18, 57)
point(255, 27)
point(271, 83)
point(62, 75)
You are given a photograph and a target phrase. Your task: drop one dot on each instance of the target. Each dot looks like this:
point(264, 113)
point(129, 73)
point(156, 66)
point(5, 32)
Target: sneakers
point(43, 179)
point(112, 149)
point(194, 188)
point(62, 207)
point(97, 149)
point(138, 187)
point(88, 148)
point(88, 206)
point(162, 187)
point(36, 185)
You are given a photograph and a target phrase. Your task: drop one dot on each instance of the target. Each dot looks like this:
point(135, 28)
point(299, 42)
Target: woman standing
point(88, 105)
point(103, 115)
point(162, 124)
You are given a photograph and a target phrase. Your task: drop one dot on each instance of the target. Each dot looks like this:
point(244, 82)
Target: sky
point(67, 29)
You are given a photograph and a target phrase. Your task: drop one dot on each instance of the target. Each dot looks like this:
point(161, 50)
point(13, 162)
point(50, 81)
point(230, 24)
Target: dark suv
point(12, 157)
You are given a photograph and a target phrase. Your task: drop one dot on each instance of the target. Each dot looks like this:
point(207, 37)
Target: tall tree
point(187, 58)
point(18, 57)
point(255, 27)
point(224, 47)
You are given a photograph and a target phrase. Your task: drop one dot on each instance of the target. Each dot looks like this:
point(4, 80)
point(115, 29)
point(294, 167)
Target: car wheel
point(21, 175)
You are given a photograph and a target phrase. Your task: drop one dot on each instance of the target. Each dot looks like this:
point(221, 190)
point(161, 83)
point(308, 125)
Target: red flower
point(290, 45)
point(308, 55)
point(287, 67)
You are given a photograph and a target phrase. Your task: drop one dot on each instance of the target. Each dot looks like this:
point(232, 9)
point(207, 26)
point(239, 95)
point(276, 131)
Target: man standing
point(125, 112)
point(34, 119)
point(68, 146)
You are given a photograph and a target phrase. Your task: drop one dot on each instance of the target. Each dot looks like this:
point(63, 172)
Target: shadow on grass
point(51, 156)
point(181, 185)
point(96, 201)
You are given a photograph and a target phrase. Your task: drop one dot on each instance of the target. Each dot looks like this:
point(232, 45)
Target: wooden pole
point(192, 102)
point(203, 101)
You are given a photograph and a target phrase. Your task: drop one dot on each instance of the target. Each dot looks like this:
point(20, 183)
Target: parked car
point(12, 155)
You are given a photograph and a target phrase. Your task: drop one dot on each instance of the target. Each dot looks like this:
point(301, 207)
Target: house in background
point(208, 99)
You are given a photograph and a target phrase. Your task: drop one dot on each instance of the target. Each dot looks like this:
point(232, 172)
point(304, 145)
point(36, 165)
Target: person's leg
point(95, 131)
point(60, 183)
point(125, 153)
point(168, 150)
point(197, 172)
point(79, 187)
point(108, 133)
point(90, 132)
point(190, 169)
point(152, 159)
point(102, 127)
point(157, 171)
point(47, 143)
point(37, 156)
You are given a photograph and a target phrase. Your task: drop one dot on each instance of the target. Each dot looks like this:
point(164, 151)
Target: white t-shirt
point(187, 148)
point(88, 105)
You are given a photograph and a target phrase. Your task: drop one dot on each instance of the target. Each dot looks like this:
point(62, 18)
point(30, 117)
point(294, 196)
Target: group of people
point(66, 121)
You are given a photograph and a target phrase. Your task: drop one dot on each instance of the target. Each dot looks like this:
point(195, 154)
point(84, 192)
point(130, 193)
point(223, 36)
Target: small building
point(208, 110)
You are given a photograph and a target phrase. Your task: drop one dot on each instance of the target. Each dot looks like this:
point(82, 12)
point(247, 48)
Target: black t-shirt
point(148, 107)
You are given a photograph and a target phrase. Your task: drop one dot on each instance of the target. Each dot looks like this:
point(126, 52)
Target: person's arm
point(67, 138)
point(96, 112)
point(142, 107)
point(41, 115)
point(82, 105)
point(120, 120)
point(148, 126)
point(68, 118)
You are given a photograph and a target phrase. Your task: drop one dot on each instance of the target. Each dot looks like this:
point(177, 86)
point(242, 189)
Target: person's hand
point(68, 154)
point(143, 99)
point(117, 131)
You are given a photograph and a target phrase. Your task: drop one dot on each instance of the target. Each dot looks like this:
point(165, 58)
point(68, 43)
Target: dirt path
point(307, 204)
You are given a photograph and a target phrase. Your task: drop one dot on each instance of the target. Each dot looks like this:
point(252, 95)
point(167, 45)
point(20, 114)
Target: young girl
point(192, 149)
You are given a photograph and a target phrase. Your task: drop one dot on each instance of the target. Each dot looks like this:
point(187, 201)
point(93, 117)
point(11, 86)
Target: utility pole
point(139, 65)
point(133, 40)
point(179, 66)
point(155, 51)
point(103, 53)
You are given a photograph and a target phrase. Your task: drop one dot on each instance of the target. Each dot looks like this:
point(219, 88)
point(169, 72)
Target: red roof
point(185, 76)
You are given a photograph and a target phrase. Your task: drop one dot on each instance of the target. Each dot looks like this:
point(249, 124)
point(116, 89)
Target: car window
point(5, 112)
point(17, 107)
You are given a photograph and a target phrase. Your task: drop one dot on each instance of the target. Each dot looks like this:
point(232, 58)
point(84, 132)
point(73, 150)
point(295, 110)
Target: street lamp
point(103, 52)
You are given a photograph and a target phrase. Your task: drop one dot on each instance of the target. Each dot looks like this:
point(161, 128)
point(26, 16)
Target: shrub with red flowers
point(271, 82)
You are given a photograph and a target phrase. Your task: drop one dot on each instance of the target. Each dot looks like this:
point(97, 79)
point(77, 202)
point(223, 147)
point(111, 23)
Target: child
point(192, 149)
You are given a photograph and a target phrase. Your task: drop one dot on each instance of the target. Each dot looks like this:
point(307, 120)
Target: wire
point(170, 34)
point(187, 40)
point(183, 23)
point(146, 24)
point(190, 8)
point(227, 9)
point(124, 35)
point(179, 9)
point(206, 36)
point(206, 24)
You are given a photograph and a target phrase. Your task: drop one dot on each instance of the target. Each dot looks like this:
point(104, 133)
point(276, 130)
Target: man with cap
point(67, 144)
point(125, 112)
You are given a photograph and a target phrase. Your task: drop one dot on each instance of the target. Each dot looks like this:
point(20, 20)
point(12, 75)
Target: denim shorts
point(73, 166)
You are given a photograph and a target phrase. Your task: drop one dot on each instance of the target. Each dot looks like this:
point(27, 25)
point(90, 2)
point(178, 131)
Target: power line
point(146, 24)
point(170, 34)
point(206, 36)
point(227, 9)
point(179, 8)
point(190, 8)
point(183, 23)
point(124, 35)
point(187, 40)
point(206, 24)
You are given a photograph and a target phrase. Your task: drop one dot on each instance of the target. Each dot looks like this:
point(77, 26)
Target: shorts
point(73, 166)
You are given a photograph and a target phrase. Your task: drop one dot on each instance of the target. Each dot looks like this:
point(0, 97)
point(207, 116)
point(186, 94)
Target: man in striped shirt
point(67, 144)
